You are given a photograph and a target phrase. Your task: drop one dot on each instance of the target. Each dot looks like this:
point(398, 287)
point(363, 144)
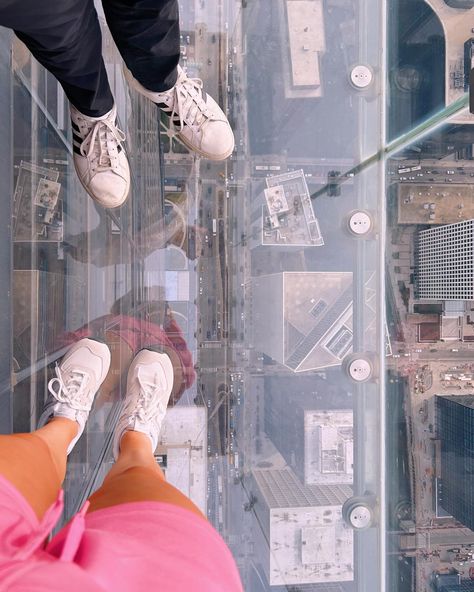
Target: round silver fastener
point(361, 76)
point(360, 517)
point(360, 223)
point(360, 369)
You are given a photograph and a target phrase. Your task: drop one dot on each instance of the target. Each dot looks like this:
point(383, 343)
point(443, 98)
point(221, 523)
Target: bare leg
point(36, 463)
point(136, 477)
point(135, 451)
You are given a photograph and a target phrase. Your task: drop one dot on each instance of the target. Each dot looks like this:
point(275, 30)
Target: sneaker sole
point(202, 153)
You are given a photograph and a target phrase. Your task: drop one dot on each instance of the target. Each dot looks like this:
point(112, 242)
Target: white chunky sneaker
point(78, 378)
point(194, 116)
point(99, 157)
point(149, 386)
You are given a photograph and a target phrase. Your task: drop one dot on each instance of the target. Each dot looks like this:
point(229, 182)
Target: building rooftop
point(309, 318)
point(429, 332)
point(305, 22)
point(450, 328)
point(465, 400)
point(445, 262)
point(281, 488)
point(183, 441)
point(288, 217)
point(329, 453)
point(322, 549)
point(308, 540)
point(436, 203)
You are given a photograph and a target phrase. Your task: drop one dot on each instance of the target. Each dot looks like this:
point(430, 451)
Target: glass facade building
point(455, 430)
point(446, 262)
point(461, 587)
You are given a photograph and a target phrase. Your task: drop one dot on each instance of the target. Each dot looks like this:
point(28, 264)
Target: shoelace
point(149, 404)
point(97, 139)
point(72, 389)
point(189, 104)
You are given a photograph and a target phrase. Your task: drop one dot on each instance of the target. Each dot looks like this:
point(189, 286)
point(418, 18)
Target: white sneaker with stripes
point(99, 157)
point(194, 116)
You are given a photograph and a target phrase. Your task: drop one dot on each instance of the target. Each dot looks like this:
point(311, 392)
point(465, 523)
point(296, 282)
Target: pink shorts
point(130, 547)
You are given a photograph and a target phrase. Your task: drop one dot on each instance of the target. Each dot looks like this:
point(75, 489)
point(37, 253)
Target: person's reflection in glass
point(133, 325)
point(102, 246)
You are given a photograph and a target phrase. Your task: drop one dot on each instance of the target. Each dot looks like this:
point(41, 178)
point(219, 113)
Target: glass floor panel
point(315, 291)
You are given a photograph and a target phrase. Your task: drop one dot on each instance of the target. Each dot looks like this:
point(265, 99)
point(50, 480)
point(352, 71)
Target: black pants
point(64, 36)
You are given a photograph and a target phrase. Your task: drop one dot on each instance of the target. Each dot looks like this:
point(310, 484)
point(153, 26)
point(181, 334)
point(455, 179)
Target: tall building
point(462, 586)
point(283, 215)
point(455, 429)
point(307, 323)
point(304, 538)
point(328, 446)
point(182, 451)
point(317, 444)
point(445, 266)
point(302, 25)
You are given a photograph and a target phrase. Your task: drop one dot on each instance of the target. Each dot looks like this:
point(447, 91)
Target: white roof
point(310, 545)
point(183, 440)
point(329, 449)
point(318, 544)
point(307, 40)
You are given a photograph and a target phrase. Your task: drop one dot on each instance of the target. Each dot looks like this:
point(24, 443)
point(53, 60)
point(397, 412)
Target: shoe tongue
point(110, 114)
point(181, 75)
